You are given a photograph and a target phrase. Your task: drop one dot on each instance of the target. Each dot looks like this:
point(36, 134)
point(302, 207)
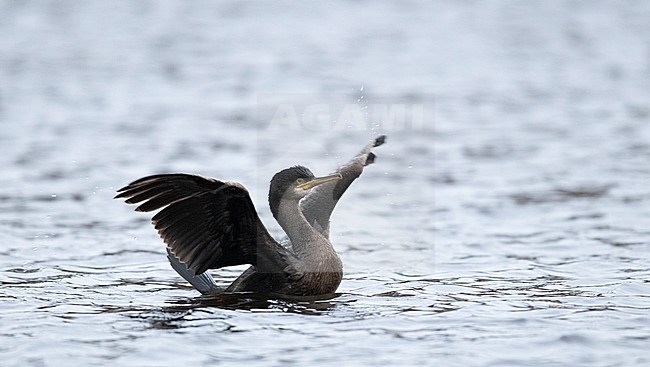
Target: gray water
point(510, 227)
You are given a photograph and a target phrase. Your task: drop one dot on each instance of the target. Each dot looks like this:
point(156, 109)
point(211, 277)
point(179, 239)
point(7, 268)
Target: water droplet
point(361, 89)
point(53, 195)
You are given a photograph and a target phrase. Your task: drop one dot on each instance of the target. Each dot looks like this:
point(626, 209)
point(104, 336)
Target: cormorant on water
point(210, 224)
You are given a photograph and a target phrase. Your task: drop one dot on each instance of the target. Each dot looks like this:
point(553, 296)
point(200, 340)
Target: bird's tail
point(204, 282)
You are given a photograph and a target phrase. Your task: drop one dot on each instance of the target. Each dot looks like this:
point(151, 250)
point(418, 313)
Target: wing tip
point(123, 188)
point(122, 192)
point(380, 140)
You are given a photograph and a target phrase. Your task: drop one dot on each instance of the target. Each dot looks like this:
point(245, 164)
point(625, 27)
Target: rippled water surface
point(511, 227)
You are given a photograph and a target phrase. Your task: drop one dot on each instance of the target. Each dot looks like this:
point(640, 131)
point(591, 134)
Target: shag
point(211, 224)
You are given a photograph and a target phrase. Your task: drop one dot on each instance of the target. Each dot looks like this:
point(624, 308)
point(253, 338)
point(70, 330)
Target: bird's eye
point(300, 180)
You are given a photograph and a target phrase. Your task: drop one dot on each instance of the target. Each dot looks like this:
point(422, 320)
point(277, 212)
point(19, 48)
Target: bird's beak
point(319, 181)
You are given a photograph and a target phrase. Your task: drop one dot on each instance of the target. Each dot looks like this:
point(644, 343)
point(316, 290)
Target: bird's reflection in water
point(308, 305)
point(181, 313)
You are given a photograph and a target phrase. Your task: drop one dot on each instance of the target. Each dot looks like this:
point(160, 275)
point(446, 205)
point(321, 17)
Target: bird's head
point(293, 184)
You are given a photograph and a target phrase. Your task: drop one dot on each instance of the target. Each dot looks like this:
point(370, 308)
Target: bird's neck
point(296, 226)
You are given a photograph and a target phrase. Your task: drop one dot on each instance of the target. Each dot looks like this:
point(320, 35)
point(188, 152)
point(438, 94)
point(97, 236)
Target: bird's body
point(210, 224)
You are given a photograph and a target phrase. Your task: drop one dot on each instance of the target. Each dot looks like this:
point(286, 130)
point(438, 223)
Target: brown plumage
point(210, 224)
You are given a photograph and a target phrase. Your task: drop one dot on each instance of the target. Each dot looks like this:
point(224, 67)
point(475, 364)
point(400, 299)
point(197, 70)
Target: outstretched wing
point(318, 205)
point(208, 224)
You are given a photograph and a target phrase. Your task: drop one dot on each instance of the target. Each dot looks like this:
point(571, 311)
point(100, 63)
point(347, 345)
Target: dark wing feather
point(319, 203)
point(208, 224)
